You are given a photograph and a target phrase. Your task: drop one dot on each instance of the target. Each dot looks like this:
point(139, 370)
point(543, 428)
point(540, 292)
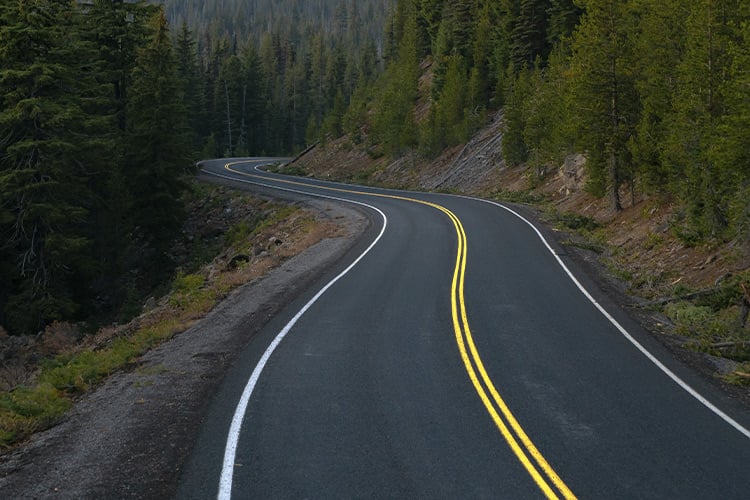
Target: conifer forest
point(107, 104)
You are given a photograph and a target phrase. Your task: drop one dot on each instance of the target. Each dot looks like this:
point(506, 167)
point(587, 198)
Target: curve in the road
point(525, 451)
point(507, 424)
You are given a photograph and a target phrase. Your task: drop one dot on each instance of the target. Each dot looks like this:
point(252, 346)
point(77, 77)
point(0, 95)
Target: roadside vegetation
point(246, 237)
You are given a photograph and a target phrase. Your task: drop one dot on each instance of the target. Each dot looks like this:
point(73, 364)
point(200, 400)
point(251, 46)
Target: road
point(459, 354)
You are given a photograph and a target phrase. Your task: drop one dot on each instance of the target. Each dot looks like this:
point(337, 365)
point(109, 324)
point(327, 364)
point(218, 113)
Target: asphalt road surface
point(459, 354)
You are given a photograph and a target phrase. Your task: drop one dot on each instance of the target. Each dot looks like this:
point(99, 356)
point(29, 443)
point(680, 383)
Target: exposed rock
point(573, 173)
point(274, 241)
point(237, 260)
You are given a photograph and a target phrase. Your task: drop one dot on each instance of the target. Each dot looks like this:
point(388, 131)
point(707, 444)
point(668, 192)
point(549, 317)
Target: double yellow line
point(526, 452)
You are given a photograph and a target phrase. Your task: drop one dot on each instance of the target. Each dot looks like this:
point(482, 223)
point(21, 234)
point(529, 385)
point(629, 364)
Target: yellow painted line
point(470, 356)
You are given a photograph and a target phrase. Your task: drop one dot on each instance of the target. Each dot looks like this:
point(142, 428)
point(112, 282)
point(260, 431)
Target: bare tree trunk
point(229, 118)
point(614, 173)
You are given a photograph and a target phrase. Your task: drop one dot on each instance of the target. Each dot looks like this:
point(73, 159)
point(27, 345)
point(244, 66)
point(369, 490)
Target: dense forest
point(105, 110)
point(93, 143)
point(270, 77)
point(106, 105)
point(351, 20)
point(655, 93)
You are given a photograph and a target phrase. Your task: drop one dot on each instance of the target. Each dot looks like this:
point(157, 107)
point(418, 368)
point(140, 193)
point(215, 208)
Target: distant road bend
point(458, 354)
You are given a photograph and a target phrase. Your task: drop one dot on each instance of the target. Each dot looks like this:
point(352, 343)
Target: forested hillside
point(104, 103)
point(251, 19)
point(654, 92)
point(269, 77)
point(105, 107)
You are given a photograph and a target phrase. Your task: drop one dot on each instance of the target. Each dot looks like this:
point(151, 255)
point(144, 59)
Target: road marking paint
point(227, 470)
point(672, 375)
point(463, 336)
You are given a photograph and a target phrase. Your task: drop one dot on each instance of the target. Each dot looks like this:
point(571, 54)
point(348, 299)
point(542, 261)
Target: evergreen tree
point(604, 93)
point(256, 97)
point(699, 107)
point(482, 80)
point(47, 133)
point(731, 152)
point(515, 150)
point(529, 33)
point(394, 127)
point(450, 123)
point(564, 16)
point(659, 43)
point(189, 74)
point(429, 13)
point(157, 154)
point(118, 28)
point(455, 36)
point(228, 96)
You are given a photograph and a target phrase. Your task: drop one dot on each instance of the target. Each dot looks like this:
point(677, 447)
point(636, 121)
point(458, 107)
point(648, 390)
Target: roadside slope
point(130, 436)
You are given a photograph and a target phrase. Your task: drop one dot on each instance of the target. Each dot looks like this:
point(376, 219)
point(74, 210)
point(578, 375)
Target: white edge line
point(227, 470)
point(622, 329)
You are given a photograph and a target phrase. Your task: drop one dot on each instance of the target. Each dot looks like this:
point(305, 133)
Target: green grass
point(706, 328)
point(28, 409)
point(25, 410)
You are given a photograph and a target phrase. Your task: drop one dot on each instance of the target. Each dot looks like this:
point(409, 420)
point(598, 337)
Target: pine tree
point(394, 127)
point(256, 100)
point(157, 154)
point(47, 134)
point(450, 117)
point(228, 96)
point(699, 107)
point(564, 16)
point(604, 93)
point(429, 14)
point(189, 73)
point(529, 33)
point(659, 44)
point(482, 79)
point(118, 28)
point(731, 153)
point(515, 149)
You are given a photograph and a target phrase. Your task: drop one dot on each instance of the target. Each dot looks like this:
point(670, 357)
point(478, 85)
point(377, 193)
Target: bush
point(702, 323)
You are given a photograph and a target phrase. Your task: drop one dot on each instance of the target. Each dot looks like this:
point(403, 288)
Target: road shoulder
point(130, 436)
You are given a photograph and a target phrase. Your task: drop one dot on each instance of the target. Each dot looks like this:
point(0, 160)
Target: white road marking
point(225, 486)
point(623, 331)
point(227, 470)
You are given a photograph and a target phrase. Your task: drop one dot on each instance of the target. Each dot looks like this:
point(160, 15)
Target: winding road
point(458, 354)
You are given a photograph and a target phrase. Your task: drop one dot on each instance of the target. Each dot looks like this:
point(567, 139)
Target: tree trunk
point(614, 173)
point(229, 118)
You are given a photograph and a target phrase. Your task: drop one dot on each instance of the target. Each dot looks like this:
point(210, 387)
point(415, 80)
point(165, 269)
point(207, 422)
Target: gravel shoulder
point(130, 436)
